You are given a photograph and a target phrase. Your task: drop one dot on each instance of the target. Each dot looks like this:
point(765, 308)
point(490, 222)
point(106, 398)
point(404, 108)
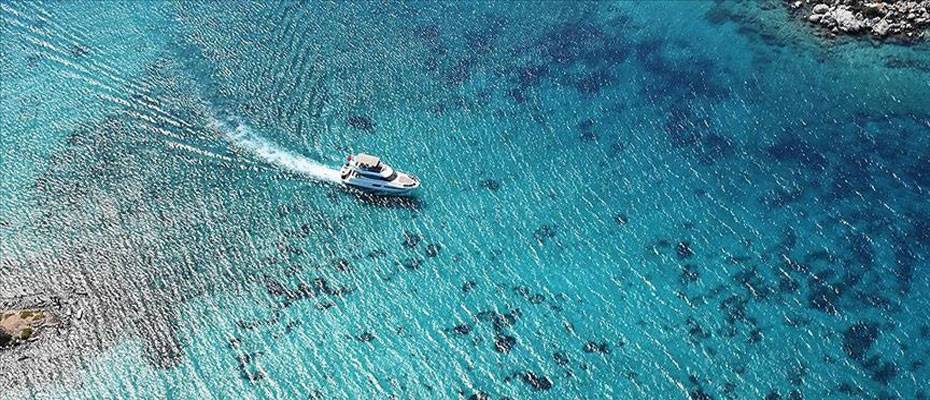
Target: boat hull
point(383, 191)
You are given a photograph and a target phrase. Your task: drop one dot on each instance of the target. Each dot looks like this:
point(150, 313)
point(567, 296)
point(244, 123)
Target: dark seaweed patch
point(596, 347)
point(699, 394)
point(881, 371)
point(754, 282)
point(535, 381)
point(823, 296)
point(717, 15)
point(586, 131)
point(780, 197)
point(755, 336)
point(560, 358)
point(569, 42)
point(905, 261)
point(860, 248)
point(432, 249)
point(920, 230)
point(683, 250)
point(544, 233)
point(518, 95)
point(734, 309)
point(428, 33)
point(479, 396)
point(678, 78)
point(360, 122)
point(594, 82)
point(689, 274)
point(693, 135)
point(858, 339)
point(461, 329)
point(528, 76)
point(411, 239)
point(411, 263)
point(695, 330)
point(490, 184)
point(794, 149)
point(498, 320)
point(459, 72)
point(536, 298)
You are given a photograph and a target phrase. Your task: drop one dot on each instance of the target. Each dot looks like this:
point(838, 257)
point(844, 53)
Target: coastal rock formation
point(18, 326)
point(907, 20)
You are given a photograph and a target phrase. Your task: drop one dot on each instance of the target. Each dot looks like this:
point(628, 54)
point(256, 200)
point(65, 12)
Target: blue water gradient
point(696, 200)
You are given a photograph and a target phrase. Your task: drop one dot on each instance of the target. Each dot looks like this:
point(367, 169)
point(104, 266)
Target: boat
point(369, 174)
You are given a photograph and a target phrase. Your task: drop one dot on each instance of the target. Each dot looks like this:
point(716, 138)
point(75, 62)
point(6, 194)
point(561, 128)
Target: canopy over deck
point(366, 160)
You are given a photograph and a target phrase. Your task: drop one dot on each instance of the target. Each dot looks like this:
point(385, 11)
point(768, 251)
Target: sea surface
point(633, 200)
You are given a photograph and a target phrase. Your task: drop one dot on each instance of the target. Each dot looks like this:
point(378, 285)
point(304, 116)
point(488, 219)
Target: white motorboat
point(367, 173)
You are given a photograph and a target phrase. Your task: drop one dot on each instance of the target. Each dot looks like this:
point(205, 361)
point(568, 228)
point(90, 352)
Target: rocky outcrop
point(18, 326)
point(905, 20)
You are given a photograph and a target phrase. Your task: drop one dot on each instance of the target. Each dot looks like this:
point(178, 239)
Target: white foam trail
point(243, 137)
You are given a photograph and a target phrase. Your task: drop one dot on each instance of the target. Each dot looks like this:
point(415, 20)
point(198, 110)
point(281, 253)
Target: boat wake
point(244, 138)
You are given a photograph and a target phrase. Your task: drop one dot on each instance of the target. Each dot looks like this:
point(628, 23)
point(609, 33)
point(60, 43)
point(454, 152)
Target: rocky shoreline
point(20, 326)
point(24, 318)
point(881, 19)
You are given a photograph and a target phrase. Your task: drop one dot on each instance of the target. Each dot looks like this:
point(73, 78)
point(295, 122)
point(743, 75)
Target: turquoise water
point(620, 200)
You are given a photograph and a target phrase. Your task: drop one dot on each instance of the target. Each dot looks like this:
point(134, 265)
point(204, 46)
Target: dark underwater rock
point(462, 329)
point(79, 50)
point(537, 382)
point(699, 394)
point(342, 265)
point(504, 343)
point(902, 20)
point(479, 396)
point(621, 219)
point(22, 325)
point(536, 298)
point(5, 338)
